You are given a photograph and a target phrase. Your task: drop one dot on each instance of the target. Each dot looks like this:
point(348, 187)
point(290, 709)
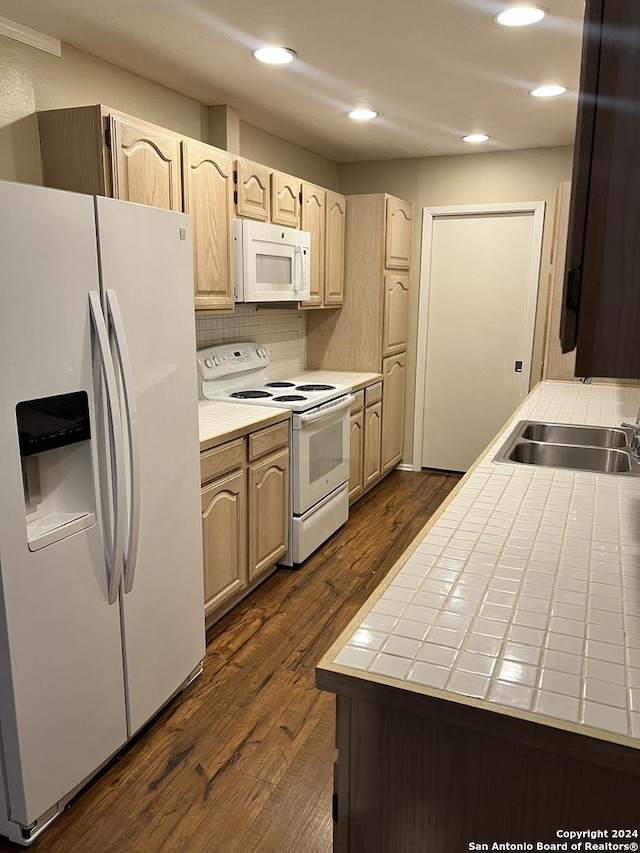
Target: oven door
point(320, 452)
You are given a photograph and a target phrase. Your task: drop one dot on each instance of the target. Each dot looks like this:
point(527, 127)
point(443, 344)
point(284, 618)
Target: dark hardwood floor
point(242, 762)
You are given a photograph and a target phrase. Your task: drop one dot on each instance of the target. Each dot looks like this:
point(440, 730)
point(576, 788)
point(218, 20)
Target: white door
point(482, 275)
point(145, 256)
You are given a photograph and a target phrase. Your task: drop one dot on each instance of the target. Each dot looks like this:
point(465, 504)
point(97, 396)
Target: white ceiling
point(433, 69)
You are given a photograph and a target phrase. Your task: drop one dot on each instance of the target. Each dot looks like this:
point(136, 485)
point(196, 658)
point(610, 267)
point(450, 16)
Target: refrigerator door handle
point(114, 559)
point(124, 360)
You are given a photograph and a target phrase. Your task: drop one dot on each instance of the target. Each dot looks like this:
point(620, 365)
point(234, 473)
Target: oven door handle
point(327, 413)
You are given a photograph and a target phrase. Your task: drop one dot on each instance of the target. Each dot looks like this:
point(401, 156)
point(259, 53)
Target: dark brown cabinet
point(602, 290)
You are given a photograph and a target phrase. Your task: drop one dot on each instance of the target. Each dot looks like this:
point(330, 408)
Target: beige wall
point(279, 154)
point(31, 80)
point(507, 176)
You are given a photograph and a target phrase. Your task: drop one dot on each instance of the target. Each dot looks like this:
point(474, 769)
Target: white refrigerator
point(101, 585)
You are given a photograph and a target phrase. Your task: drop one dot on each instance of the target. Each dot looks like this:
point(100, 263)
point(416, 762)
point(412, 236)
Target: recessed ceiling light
point(475, 137)
point(362, 115)
point(273, 55)
point(520, 16)
point(548, 91)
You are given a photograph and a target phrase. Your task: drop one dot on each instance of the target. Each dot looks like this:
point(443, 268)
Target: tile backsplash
point(281, 330)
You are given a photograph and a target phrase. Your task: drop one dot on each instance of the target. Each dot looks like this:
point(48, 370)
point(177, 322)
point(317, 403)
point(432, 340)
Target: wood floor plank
point(286, 811)
point(316, 835)
point(239, 763)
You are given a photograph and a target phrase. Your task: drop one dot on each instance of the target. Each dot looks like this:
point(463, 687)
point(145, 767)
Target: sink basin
point(603, 450)
point(574, 434)
point(602, 459)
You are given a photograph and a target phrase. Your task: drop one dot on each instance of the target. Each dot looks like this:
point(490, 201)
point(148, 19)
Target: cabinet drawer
point(267, 440)
point(373, 393)
point(220, 460)
point(358, 402)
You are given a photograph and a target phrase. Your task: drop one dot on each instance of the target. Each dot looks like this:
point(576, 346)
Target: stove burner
point(250, 395)
point(290, 398)
point(315, 387)
point(279, 384)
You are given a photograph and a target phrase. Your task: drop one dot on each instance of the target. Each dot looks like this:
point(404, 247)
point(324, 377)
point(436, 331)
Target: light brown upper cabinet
point(334, 249)
point(252, 189)
point(208, 197)
point(286, 194)
point(373, 321)
point(396, 313)
point(399, 221)
point(145, 164)
point(313, 220)
point(100, 151)
point(370, 332)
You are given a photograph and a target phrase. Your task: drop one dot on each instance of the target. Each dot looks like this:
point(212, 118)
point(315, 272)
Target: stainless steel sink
point(603, 450)
point(574, 434)
point(601, 459)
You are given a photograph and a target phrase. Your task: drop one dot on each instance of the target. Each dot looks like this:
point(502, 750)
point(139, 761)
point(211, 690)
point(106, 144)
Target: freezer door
point(62, 710)
point(147, 280)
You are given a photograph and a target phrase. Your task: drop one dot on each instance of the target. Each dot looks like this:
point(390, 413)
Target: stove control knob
point(263, 352)
point(208, 362)
point(217, 360)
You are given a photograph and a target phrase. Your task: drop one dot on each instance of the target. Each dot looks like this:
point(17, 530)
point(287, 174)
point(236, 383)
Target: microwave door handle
point(297, 269)
point(327, 413)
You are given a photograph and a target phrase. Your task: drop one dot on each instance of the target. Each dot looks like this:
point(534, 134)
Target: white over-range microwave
point(270, 262)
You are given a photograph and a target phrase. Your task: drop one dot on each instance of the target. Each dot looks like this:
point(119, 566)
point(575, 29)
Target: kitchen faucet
point(635, 437)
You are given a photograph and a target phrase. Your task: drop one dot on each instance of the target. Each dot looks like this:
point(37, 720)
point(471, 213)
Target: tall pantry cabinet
point(370, 332)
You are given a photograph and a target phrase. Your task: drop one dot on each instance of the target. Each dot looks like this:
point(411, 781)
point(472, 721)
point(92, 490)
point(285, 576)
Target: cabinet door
point(208, 197)
point(556, 364)
point(145, 164)
point(393, 370)
point(313, 220)
point(603, 261)
point(285, 199)
point(268, 512)
point(334, 249)
point(396, 306)
point(398, 234)
point(356, 449)
point(372, 436)
point(224, 538)
point(252, 190)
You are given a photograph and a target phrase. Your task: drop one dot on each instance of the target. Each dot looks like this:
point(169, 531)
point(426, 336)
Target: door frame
point(428, 216)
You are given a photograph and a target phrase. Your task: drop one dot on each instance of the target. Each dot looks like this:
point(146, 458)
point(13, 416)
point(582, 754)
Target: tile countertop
point(357, 381)
point(220, 422)
point(523, 597)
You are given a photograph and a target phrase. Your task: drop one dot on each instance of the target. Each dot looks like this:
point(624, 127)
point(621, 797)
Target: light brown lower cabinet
point(372, 439)
point(268, 512)
point(224, 535)
point(245, 511)
point(394, 369)
point(356, 446)
point(377, 428)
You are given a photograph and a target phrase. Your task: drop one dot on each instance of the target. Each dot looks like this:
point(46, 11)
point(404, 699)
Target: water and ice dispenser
point(54, 435)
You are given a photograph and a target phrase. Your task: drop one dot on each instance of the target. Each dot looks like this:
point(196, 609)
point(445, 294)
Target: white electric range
point(319, 439)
